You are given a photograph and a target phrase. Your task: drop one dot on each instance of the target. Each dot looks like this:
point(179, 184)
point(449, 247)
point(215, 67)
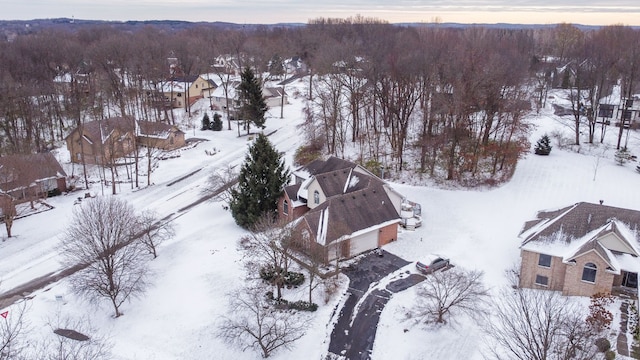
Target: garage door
point(364, 242)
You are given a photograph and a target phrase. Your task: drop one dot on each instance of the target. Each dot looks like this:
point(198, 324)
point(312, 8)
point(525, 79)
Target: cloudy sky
point(592, 12)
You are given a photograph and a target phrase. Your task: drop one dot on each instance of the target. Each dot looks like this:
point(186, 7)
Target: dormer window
point(316, 197)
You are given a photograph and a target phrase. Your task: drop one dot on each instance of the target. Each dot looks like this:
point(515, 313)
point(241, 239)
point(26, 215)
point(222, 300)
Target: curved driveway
point(353, 336)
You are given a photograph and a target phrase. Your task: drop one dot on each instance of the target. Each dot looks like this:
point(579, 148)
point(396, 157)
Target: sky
point(587, 12)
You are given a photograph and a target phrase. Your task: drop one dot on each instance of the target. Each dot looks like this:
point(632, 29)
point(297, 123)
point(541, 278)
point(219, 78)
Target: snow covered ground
point(176, 318)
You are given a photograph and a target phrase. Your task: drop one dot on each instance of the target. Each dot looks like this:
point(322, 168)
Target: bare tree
point(537, 325)
point(13, 326)
point(445, 293)
point(269, 246)
point(219, 184)
point(8, 211)
point(70, 342)
point(153, 231)
point(101, 237)
point(256, 324)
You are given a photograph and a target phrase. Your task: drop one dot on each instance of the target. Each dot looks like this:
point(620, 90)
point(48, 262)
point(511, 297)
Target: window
point(589, 272)
point(542, 280)
point(285, 207)
point(316, 197)
point(544, 260)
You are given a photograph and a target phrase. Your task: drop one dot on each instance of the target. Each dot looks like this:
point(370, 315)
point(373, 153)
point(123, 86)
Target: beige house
point(160, 135)
point(101, 142)
point(180, 91)
point(340, 208)
point(581, 250)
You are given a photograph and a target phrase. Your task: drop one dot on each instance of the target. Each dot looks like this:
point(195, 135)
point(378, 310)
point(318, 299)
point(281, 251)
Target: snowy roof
point(22, 170)
point(584, 228)
point(154, 129)
point(351, 214)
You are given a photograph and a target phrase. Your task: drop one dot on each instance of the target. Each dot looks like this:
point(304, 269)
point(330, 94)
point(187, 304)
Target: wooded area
point(449, 103)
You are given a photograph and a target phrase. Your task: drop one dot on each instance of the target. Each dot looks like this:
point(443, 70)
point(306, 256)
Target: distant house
point(340, 208)
point(102, 141)
point(182, 90)
point(113, 138)
point(272, 96)
point(581, 250)
point(160, 135)
point(27, 177)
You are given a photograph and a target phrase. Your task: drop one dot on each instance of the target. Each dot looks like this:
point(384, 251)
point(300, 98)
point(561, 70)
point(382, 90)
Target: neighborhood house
point(582, 250)
point(27, 177)
point(103, 141)
point(340, 209)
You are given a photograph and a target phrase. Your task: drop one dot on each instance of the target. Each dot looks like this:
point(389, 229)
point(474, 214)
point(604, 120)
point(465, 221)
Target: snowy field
point(177, 317)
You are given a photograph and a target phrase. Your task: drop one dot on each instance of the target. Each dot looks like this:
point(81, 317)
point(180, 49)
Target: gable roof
point(23, 170)
point(156, 129)
point(582, 228)
point(351, 213)
point(101, 130)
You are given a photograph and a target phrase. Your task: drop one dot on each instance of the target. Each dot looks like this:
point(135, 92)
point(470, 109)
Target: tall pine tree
point(253, 105)
point(262, 178)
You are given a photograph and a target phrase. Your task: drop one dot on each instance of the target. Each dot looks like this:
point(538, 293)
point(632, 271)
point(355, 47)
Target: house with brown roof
point(340, 209)
point(182, 90)
point(159, 135)
point(102, 141)
point(581, 250)
point(32, 176)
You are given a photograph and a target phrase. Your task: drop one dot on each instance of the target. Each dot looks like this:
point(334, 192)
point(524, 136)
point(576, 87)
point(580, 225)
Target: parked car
point(432, 263)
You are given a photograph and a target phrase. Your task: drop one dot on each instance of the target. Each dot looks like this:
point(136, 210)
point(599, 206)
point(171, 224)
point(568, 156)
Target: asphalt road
point(354, 340)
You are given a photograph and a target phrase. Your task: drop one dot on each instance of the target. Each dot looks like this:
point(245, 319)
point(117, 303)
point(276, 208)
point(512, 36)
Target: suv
point(432, 263)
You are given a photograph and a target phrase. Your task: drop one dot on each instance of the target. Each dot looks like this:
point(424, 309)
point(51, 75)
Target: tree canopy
point(253, 103)
point(262, 178)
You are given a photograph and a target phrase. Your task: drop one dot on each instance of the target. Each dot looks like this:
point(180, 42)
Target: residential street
point(354, 334)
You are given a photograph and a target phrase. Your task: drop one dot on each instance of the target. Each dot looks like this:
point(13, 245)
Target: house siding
point(388, 234)
point(575, 286)
point(529, 269)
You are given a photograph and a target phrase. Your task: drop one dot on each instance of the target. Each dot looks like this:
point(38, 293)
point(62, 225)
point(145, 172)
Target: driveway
point(353, 335)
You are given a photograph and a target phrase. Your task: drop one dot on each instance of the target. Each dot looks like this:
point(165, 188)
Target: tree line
point(448, 103)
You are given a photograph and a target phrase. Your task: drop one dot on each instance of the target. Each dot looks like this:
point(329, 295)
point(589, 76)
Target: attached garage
point(364, 242)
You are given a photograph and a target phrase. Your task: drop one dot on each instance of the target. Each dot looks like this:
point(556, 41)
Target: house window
point(544, 260)
point(589, 272)
point(316, 197)
point(285, 207)
point(542, 280)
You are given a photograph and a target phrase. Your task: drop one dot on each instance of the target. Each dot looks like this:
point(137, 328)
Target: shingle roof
point(577, 220)
point(350, 213)
point(331, 164)
point(22, 170)
point(101, 129)
point(156, 129)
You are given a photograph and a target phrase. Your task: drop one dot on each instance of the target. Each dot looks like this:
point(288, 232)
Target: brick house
point(581, 250)
point(340, 209)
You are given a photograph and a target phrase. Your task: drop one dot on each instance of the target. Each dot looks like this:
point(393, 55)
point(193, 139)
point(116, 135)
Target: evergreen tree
point(253, 103)
point(262, 178)
point(543, 146)
point(622, 156)
point(216, 124)
point(206, 122)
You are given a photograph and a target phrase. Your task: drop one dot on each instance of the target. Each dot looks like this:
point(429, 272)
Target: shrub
point(303, 306)
point(307, 153)
point(603, 344)
point(610, 355)
point(216, 124)
point(293, 278)
point(543, 146)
